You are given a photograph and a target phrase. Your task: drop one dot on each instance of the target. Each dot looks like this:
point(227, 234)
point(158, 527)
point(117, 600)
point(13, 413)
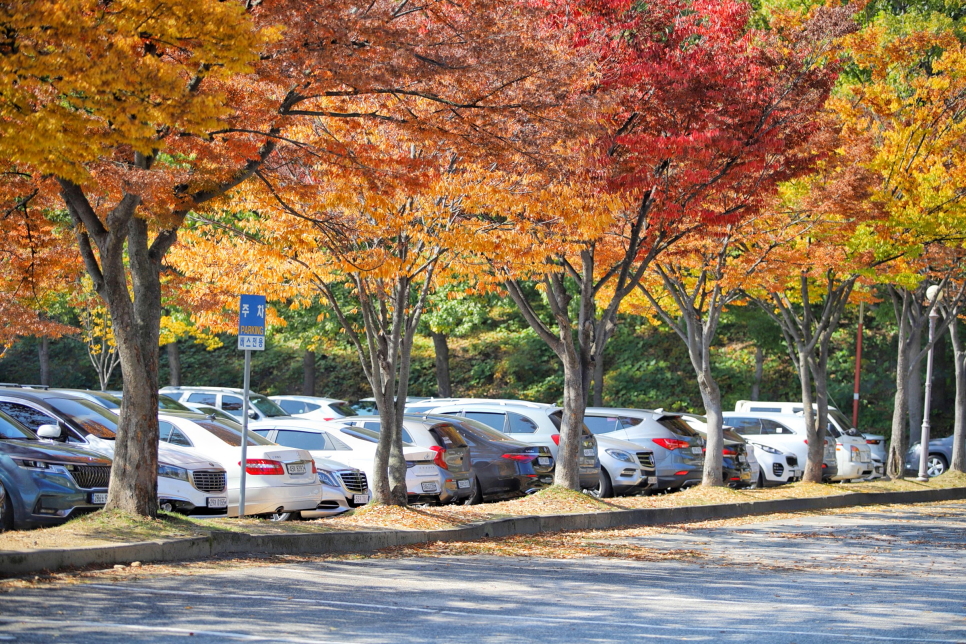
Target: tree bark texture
point(308, 373)
point(958, 462)
point(137, 324)
point(173, 352)
point(441, 346)
point(598, 400)
point(44, 356)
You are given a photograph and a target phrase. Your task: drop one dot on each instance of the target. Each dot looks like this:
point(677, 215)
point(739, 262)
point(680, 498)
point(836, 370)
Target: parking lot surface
point(867, 576)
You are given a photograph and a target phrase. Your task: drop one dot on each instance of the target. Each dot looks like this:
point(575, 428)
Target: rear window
point(557, 419)
point(482, 431)
point(343, 408)
point(311, 441)
point(495, 420)
point(677, 426)
point(446, 436)
point(231, 435)
point(371, 435)
point(168, 403)
point(94, 419)
point(202, 398)
point(266, 406)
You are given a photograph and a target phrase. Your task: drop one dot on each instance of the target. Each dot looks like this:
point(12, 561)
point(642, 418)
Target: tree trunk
point(759, 372)
point(174, 363)
point(914, 389)
point(816, 449)
point(44, 360)
point(441, 345)
point(713, 457)
point(959, 419)
point(895, 466)
point(567, 470)
point(599, 383)
point(308, 373)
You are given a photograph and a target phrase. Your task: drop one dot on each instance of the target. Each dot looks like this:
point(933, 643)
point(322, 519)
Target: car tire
point(476, 493)
point(761, 480)
point(6, 509)
point(604, 489)
point(936, 464)
point(284, 516)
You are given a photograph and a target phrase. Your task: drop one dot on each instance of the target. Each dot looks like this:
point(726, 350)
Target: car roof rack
point(17, 385)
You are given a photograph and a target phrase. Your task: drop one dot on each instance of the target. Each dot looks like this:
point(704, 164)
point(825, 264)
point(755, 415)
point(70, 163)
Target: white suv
point(784, 432)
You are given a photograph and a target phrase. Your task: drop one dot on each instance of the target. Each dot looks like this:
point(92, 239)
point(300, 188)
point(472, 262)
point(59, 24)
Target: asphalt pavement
point(867, 576)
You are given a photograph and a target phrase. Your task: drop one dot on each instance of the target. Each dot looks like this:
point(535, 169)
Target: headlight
point(855, 454)
point(328, 478)
point(620, 456)
point(31, 465)
point(172, 472)
point(766, 448)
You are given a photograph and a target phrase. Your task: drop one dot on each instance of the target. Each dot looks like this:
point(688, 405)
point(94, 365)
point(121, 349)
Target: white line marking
point(49, 623)
point(529, 618)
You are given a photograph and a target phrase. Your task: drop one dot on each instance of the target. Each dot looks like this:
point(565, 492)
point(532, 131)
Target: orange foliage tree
point(130, 114)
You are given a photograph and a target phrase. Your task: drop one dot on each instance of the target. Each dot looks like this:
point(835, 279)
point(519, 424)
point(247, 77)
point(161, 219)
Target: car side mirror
point(252, 414)
point(852, 431)
point(49, 431)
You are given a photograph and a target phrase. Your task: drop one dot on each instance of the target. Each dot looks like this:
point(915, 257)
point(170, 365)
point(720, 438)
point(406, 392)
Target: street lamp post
point(932, 294)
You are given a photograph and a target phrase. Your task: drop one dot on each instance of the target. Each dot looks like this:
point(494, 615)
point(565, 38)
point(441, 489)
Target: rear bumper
point(333, 502)
point(265, 500)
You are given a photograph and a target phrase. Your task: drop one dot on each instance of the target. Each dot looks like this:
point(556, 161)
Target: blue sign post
point(251, 337)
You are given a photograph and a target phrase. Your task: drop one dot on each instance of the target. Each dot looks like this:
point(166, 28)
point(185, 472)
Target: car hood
point(44, 451)
point(331, 465)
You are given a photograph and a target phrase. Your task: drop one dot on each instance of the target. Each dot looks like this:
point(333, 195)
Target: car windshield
point(844, 423)
point(168, 403)
point(108, 401)
point(268, 407)
point(93, 419)
point(11, 429)
point(227, 434)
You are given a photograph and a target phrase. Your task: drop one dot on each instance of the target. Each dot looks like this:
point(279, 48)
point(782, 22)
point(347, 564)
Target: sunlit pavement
point(893, 575)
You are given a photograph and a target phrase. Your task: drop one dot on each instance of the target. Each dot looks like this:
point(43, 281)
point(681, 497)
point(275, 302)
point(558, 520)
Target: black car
point(43, 483)
point(502, 467)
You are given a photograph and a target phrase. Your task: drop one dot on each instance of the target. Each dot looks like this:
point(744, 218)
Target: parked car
point(876, 442)
point(44, 483)
point(351, 484)
point(184, 477)
point(356, 446)
point(314, 407)
point(938, 460)
point(102, 398)
point(775, 466)
point(784, 432)
point(367, 406)
point(678, 450)
point(280, 482)
point(853, 455)
point(208, 410)
point(227, 399)
point(736, 470)
point(533, 423)
point(452, 453)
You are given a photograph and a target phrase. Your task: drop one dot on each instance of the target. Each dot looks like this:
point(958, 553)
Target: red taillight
point(871, 442)
point(519, 457)
point(729, 452)
point(734, 478)
point(265, 467)
point(328, 419)
point(671, 443)
point(555, 438)
point(315, 470)
point(681, 473)
point(438, 459)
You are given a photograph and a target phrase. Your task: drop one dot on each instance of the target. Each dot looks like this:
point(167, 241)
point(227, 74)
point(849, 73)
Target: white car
point(314, 407)
point(783, 432)
point(352, 483)
point(279, 481)
point(775, 467)
point(356, 446)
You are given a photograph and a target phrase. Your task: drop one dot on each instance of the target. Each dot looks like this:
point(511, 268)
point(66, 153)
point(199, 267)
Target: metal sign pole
point(244, 445)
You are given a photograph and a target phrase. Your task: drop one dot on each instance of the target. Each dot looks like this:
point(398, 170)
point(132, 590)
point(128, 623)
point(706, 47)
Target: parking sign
point(251, 322)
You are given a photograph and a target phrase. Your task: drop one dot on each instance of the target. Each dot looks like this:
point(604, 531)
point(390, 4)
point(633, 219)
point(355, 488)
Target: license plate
point(429, 487)
point(360, 498)
point(217, 501)
point(296, 468)
point(697, 450)
point(589, 451)
point(745, 476)
point(99, 498)
point(464, 483)
point(424, 470)
point(543, 460)
point(652, 480)
point(742, 458)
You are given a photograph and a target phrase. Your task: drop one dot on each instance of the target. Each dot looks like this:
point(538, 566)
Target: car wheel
point(935, 465)
point(761, 480)
point(476, 493)
point(604, 489)
point(6, 510)
point(284, 516)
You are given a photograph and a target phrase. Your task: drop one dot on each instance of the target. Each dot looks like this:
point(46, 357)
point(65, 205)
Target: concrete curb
point(13, 563)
